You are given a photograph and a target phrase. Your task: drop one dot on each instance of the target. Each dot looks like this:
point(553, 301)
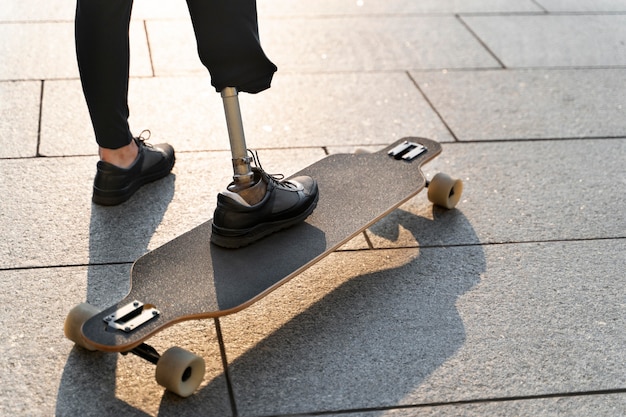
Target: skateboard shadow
point(374, 339)
point(243, 274)
point(117, 236)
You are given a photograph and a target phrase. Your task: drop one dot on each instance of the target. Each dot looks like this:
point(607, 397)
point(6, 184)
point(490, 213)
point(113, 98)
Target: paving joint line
point(457, 245)
point(40, 118)
point(487, 400)
point(539, 5)
point(480, 41)
point(543, 12)
point(61, 266)
point(432, 106)
point(145, 30)
point(325, 148)
point(200, 73)
point(477, 244)
point(227, 377)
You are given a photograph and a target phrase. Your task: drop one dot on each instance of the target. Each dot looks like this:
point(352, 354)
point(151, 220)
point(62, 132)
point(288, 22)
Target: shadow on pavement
point(369, 343)
point(117, 236)
point(372, 341)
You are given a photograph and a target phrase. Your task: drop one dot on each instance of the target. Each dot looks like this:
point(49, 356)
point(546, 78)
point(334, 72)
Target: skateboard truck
point(131, 316)
point(407, 151)
point(243, 175)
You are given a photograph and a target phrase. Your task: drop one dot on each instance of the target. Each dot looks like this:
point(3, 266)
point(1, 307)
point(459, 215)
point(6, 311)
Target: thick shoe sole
point(113, 198)
point(233, 239)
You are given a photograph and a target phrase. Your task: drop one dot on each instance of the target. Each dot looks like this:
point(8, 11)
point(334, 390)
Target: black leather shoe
point(114, 185)
point(237, 223)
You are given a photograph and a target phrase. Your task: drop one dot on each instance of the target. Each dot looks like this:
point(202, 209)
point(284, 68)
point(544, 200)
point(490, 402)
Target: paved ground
point(513, 304)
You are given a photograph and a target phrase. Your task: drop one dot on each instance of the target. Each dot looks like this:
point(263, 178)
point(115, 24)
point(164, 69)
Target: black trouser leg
point(228, 44)
point(102, 49)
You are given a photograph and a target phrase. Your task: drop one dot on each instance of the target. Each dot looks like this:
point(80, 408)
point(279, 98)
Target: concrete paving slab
point(331, 109)
point(46, 50)
point(35, 10)
point(66, 128)
point(405, 327)
point(51, 221)
point(521, 205)
point(554, 40)
point(513, 192)
point(44, 374)
point(560, 190)
point(19, 118)
point(298, 111)
point(503, 105)
point(173, 47)
point(584, 405)
point(62, 10)
point(292, 8)
point(583, 5)
point(160, 9)
point(182, 111)
point(337, 44)
point(373, 43)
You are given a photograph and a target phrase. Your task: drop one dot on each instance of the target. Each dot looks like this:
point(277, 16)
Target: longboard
point(191, 278)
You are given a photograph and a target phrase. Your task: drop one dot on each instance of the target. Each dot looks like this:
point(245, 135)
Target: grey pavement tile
point(337, 44)
point(46, 50)
point(173, 47)
point(583, 5)
point(364, 7)
point(522, 191)
point(332, 109)
point(373, 43)
point(63, 10)
point(554, 40)
point(44, 374)
point(19, 118)
point(299, 110)
point(65, 124)
point(585, 405)
point(35, 10)
point(51, 221)
point(37, 51)
point(183, 111)
point(378, 329)
point(160, 9)
point(511, 104)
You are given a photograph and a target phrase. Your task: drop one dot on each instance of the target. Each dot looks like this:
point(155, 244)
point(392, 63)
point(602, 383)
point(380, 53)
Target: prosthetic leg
point(242, 172)
point(256, 204)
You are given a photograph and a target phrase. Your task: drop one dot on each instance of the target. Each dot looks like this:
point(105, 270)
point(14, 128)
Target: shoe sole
point(258, 232)
point(113, 198)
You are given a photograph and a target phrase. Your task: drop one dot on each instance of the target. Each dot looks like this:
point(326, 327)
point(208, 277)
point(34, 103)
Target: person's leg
point(103, 53)
point(255, 204)
point(228, 44)
point(102, 49)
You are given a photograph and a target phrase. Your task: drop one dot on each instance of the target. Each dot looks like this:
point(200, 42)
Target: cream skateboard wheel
point(445, 191)
point(180, 371)
point(74, 323)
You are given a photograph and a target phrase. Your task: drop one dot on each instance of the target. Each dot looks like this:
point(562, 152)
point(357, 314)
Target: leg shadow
point(373, 340)
point(117, 236)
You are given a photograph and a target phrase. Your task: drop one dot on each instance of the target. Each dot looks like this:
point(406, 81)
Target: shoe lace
point(276, 179)
point(143, 137)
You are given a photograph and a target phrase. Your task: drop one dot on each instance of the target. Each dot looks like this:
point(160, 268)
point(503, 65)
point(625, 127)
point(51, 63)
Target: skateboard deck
point(191, 278)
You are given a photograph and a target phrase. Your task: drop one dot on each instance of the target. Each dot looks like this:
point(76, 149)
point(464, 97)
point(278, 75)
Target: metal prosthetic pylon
point(242, 172)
